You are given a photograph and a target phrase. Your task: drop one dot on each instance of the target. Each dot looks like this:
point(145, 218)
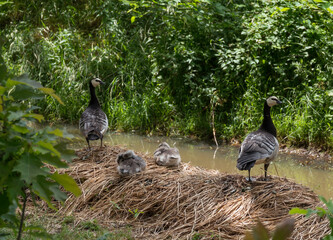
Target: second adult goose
point(260, 146)
point(93, 121)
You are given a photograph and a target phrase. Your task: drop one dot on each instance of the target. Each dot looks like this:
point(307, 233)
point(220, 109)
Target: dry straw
point(179, 203)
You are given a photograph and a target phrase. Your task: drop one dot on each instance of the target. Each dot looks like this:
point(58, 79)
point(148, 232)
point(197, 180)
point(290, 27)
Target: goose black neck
point(267, 124)
point(93, 98)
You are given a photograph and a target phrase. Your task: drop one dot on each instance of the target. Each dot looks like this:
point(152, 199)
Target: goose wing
point(93, 121)
point(257, 145)
point(174, 153)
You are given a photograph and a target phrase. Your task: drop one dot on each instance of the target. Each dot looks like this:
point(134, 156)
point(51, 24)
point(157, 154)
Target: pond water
point(223, 159)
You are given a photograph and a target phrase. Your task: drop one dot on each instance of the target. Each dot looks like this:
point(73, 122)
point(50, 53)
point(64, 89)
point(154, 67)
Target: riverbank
point(186, 201)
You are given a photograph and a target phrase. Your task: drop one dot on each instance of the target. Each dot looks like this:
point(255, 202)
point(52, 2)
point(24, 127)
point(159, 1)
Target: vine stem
point(213, 125)
point(22, 215)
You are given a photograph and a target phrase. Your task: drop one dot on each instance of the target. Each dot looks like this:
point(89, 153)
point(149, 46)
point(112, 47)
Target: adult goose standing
point(93, 121)
point(260, 146)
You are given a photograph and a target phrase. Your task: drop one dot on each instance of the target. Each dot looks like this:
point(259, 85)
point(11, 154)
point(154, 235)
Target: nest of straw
point(179, 203)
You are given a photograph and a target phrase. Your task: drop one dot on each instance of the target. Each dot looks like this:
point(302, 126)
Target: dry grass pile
point(186, 201)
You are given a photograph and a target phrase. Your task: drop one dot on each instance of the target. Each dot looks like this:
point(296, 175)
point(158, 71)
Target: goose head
point(96, 82)
point(164, 144)
point(271, 101)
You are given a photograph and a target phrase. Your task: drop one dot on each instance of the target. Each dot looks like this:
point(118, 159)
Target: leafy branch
point(27, 152)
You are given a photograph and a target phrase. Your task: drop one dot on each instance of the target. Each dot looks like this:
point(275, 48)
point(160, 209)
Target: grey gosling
point(129, 163)
point(260, 146)
point(166, 156)
point(93, 122)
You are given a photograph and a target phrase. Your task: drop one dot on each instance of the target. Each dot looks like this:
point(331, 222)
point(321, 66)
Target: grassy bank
point(170, 66)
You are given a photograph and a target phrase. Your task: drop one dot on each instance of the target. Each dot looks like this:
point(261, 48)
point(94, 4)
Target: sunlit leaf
point(330, 10)
point(284, 9)
point(298, 211)
point(2, 90)
point(50, 92)
point(20, 129)
point(67, 182)
point(38, 117)
point(132, 19)
point(49, 147)
point(56, 132)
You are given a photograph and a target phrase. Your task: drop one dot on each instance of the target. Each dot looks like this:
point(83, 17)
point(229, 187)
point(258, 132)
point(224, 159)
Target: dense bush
point(170, 64)
point(29, 156)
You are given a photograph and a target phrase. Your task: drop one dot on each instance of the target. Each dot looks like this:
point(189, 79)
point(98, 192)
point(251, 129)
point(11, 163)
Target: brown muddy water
point(223, 159)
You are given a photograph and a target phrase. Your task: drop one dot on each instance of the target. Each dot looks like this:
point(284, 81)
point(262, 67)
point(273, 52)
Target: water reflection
point(202, 154)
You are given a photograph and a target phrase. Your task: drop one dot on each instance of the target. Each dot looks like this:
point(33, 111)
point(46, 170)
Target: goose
point(260, 146)
point(129, 163)
point(166, 156)
point(93, 122)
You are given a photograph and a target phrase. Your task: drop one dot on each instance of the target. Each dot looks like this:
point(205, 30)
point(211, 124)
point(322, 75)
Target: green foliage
point(321, 212)
point(135, 212)
point(168, 64)
point(282, 231)
point(26, 151)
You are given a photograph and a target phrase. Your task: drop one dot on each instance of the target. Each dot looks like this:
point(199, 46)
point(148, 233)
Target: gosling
point(166, 156)
point(129, 163)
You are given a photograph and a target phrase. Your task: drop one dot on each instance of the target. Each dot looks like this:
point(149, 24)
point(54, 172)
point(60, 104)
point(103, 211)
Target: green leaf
point(66, 154)
point(23, 92)
point(329, 204)
point(328, 237)
point(284, 9)
point(10, 217)
point(298, 211)
point(49, 147)
point(5, 2)
point(20, 129)
point(132, 19)
point(30, 167)
point(50, 92)
point(15, 115)
point(24, 79)
point(4, 202)
point(57, 132)
point(67, 182)
point(46, 189)
point(38, 117)
point(2, 90)
point(53, 160)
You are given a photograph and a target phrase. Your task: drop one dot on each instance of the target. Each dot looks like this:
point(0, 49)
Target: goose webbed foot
point(250, 179)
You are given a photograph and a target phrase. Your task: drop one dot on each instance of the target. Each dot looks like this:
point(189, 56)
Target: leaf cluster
point(27, 151)
point(321, 212)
